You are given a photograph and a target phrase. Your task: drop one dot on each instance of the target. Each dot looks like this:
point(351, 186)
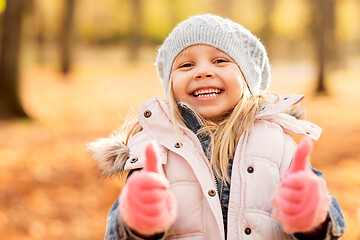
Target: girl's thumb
point(302, 153)
point(152, 163)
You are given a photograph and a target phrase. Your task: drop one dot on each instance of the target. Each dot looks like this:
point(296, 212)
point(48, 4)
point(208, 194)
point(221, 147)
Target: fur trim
point(297, 110)
point(109, 153)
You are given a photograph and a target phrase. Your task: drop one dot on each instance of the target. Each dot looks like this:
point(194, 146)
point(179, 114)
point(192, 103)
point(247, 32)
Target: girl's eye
point(220, 60)
point(185, 65)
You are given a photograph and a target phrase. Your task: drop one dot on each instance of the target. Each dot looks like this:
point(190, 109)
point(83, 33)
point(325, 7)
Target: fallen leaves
point(49, 187)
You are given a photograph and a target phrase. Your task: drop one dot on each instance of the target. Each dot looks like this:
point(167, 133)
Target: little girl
point(221, 163)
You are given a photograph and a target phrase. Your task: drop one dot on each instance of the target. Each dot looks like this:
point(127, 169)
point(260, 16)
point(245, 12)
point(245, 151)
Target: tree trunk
point(40, 32)
point(325, 41)
point(135, 34)
point(10, 104)
point(66, 38)
point(330, 39)
point(320, 47)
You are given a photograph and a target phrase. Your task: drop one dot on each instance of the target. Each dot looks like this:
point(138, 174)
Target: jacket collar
point(275, 104)
point(191, 118)
point(111, 153)
point(194, 123)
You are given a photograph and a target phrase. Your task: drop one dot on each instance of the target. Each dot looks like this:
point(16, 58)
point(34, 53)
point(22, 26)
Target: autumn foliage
point(50, 188)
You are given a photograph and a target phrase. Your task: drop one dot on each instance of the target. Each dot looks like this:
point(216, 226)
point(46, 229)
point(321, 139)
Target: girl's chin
point(214, 117)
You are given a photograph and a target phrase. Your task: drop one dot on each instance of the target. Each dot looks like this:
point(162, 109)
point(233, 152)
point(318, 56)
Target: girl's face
point(208, 80)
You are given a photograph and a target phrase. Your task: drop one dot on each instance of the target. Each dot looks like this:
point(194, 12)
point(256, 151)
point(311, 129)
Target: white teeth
point(207, 95)
point(207, 92)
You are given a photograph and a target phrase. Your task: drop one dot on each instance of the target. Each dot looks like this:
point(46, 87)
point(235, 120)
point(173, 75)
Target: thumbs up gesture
point(146, 203)
point(301, 201)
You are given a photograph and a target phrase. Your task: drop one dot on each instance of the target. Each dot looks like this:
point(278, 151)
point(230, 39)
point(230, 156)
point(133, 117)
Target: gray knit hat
point(230, 37)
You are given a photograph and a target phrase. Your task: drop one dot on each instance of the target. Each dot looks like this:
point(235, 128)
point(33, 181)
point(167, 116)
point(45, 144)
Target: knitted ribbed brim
point(230, 37)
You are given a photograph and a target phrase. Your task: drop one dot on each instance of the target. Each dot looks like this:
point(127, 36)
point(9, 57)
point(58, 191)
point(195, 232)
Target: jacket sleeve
point(116, 229)
point(334, 226)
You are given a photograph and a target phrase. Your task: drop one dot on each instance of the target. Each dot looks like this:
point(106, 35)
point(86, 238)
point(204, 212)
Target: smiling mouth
point(210, 92)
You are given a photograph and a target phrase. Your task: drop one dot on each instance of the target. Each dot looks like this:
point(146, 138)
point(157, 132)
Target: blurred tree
point(135, 32)
point(10, 104)
point(40, 30)
point(266, 31)
point(223, 8)
point(174, 12)
point(325, 40)
point(66, 36)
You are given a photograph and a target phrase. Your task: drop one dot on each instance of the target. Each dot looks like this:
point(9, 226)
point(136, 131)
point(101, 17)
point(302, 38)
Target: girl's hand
point(146, 203)
point(301, 201)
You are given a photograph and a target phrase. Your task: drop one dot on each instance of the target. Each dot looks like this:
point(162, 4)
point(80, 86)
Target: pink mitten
point(301, 201)
point(146, 203)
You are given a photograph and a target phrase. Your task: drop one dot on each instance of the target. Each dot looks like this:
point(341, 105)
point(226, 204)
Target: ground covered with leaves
point(50, 188)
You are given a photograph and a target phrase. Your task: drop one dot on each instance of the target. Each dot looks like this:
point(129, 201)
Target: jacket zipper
point(241, 162)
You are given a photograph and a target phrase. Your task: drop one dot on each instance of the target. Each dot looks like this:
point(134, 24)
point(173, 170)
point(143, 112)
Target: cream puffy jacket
point(267, 149)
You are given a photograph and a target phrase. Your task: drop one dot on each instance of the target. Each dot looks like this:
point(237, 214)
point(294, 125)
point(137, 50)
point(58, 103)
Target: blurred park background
point(72, 70)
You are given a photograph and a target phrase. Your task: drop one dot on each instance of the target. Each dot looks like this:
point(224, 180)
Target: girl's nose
point(204, 73)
